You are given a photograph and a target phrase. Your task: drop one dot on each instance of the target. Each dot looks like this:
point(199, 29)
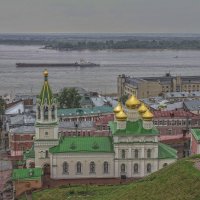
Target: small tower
point(46, 125)
point(117, 109)
point(147, 120)
point(132, 104)
point(121, 119)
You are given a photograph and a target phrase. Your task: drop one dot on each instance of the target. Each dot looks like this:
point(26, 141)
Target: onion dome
point(147, 116)
point(142, 109)
point(118, 108)
point(121, 116)
point(132, 102)
point(45, 73)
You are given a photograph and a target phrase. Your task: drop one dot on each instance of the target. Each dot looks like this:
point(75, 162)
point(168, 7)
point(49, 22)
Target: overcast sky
point(134, 16)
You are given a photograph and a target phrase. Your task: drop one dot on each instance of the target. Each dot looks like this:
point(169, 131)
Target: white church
point(133, 150)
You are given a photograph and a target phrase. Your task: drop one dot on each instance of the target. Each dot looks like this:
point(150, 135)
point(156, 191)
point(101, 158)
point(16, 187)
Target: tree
point(124, 98)
point(2, 106)
point(69, 98)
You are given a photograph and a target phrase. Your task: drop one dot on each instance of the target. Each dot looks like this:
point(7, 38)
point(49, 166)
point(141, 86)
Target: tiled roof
point(83, 144)
point(192, 105)
point(27, 174)
point(132, 128)
point(175, 113)
point(84, 111)
point(23, 129)
point(29, 153)
point(166, 152)
point(196, 133)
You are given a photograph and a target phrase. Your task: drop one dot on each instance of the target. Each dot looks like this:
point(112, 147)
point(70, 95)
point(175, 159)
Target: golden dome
point(118, 108)
point(142, 109)
point(45, 73)
point(121, 116)
point(132, 102)
point(147, 116)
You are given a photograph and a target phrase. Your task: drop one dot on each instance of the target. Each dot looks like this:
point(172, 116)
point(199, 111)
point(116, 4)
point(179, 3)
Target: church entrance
point(46, 169)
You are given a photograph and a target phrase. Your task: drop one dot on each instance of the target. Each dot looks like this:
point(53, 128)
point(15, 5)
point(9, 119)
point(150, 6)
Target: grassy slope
point(179, 181)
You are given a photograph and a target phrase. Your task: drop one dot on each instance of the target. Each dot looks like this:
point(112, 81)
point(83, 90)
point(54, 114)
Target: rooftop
point(196, 133)
point(78, 144)
point(23, 129)
point(27, 174)
point(192, 105)
point(132, 128)
point(166, 152)
point(84, 111)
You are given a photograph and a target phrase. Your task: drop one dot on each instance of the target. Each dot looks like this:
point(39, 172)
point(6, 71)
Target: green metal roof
point(84, 111)
point(84, 144)
point(166, 152)
point(132, 128)
point(196, 133)
point(27, 174)
point(29, 153)
point(46, 95)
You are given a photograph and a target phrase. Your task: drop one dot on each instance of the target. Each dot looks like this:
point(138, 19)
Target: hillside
point(179, 181)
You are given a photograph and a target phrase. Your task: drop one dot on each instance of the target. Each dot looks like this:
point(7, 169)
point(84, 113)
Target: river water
point(102, 79)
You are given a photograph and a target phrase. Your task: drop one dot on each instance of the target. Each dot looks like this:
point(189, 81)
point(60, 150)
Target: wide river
point(102, 79)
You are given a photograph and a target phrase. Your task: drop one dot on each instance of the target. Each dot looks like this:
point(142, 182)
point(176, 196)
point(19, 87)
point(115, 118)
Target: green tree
point(69, 98)
point(2, 106)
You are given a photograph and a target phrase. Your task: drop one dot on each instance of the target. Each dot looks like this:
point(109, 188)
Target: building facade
point(145, 87)
point(132, 150)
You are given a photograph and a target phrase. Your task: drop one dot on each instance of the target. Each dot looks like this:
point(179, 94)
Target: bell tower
point(46, 126)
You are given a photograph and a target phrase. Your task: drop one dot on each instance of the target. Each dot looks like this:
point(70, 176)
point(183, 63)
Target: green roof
point(166, 152)
point(29, 153)
point(46, 94)
point(84, 111)
point(132, 128)
point(27, 174)
point(84, 144)
point(196, 133)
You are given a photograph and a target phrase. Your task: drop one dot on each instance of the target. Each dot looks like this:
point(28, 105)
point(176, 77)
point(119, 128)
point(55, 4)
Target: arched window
point(136, 168)
point(123, 168)
point(148, 168)
point(165, 164)
point(123, 154)
point(65, 168)
point(149, 153)
point(136, 153)
point(46, 112)
point(38, 112)
point(53, 112)
point(105, 167)
point(78, 167)
point(92, 167)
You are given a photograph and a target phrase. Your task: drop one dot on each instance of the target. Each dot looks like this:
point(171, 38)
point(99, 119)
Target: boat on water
point(82, 63)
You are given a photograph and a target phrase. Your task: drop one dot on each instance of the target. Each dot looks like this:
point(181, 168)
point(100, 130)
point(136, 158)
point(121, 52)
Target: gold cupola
point(147, 116)
point(45, 73)
point(118, 108)
point(132, 102)
point(121, 116)
point(142, 109)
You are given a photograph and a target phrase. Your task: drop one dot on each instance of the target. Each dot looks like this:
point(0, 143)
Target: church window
point(92, 167)
point(38, 112)
point(105, 167)
point(46, 133)
point(136, 153)
point(53, 112)
point(78, 168)
point(65, 168)
point(123, 168)
point(123, 154)
point(148, 168)
point(149, 153)
point(46, 154)
point(135, 168)
point(46, 112)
